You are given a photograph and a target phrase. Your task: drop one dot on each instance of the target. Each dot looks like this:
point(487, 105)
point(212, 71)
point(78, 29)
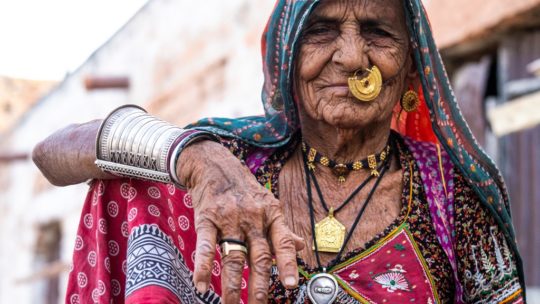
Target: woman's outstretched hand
point(229, 203)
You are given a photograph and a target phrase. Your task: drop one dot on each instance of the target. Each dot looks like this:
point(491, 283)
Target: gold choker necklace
point(342, 170)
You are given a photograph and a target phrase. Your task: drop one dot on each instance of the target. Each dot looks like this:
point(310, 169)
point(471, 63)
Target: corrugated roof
point(459, 21)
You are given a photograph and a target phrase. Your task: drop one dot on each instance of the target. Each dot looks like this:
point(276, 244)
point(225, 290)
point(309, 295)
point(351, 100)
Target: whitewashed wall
point(163, 50)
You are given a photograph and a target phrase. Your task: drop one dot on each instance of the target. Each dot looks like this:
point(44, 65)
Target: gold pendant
point(367, 88)
point(341, 171)
point(330, 234)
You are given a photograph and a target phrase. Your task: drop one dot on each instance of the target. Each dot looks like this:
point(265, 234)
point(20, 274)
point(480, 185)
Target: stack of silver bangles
point(132, 143)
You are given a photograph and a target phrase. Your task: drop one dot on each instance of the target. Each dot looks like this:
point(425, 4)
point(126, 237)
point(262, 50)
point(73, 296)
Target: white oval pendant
point(322, 288)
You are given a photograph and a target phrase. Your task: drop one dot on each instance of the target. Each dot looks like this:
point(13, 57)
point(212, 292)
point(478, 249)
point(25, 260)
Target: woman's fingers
point(232, 267)
point(204, 254)
point(285, 245)
point(299, 242)
point(255, 217)
point(260, 263)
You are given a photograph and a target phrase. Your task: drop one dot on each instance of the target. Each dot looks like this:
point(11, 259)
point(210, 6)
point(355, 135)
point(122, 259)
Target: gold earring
point(367, 88)
point(410, 101)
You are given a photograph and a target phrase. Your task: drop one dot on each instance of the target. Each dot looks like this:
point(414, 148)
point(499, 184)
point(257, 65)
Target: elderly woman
point(362, 183)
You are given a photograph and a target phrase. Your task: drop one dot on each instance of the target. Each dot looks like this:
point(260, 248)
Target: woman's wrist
point(196, 160)
point(188, 138)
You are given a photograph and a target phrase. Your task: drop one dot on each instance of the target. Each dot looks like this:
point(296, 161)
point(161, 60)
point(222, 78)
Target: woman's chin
point(347, 116)
point(349, 122)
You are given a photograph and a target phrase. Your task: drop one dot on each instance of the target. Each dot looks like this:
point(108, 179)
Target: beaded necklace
point(342, 170)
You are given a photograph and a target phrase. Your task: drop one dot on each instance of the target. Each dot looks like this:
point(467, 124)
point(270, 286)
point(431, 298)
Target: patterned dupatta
point(438, 120)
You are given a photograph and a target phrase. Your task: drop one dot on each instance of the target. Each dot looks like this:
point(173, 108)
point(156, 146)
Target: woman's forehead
point(390, 10)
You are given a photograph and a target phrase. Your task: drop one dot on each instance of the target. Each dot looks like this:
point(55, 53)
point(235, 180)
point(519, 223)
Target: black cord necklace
point(346, 202)
point(331, 233)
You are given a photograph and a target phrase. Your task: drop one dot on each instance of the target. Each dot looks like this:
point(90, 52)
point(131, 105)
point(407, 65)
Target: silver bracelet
point(106, 131)
point(120, 148)
point(194, 136)
point(132, 143)
point(119, 127)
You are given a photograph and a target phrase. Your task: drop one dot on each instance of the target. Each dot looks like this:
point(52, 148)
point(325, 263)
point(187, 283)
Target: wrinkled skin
point(230, 203)
point(341, 37)
point(67, 156)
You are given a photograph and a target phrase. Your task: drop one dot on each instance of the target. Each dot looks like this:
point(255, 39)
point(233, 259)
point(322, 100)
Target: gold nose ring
point(368, 87)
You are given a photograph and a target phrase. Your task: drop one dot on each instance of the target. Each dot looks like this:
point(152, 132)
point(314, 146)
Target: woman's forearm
point(67, 156)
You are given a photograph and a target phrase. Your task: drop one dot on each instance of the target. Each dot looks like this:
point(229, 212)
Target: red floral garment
point(135, 244)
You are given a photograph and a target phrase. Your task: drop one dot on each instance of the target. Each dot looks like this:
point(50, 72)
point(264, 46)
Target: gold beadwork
point(383, 155)
point(311, 159)
point(342, 170)
point(372, 162)
point(367, 88)
point(311, 155)
point(325, 161)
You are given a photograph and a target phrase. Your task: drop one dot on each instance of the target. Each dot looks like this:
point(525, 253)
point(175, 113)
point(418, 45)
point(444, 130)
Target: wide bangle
point(133, 143)
point(189, 137)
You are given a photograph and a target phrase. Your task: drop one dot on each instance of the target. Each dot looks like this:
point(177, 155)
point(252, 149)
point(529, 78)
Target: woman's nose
point(351, 52)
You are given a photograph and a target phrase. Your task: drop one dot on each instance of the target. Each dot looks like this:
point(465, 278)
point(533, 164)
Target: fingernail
point(290, 281)
point(201, 287)
point(260, 296)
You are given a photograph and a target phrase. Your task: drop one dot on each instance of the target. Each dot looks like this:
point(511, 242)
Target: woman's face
point(341, 37)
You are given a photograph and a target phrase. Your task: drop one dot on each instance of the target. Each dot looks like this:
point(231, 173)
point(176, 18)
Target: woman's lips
point(340, 90)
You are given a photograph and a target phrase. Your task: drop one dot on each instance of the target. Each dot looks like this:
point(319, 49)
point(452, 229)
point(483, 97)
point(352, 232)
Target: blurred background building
point(183, 59)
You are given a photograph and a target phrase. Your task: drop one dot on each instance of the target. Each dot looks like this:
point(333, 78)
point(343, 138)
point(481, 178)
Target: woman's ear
point(412, 79)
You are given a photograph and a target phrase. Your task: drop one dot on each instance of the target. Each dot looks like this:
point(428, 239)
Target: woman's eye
point(375, 31)
point(320, 34)
point(318, 30)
